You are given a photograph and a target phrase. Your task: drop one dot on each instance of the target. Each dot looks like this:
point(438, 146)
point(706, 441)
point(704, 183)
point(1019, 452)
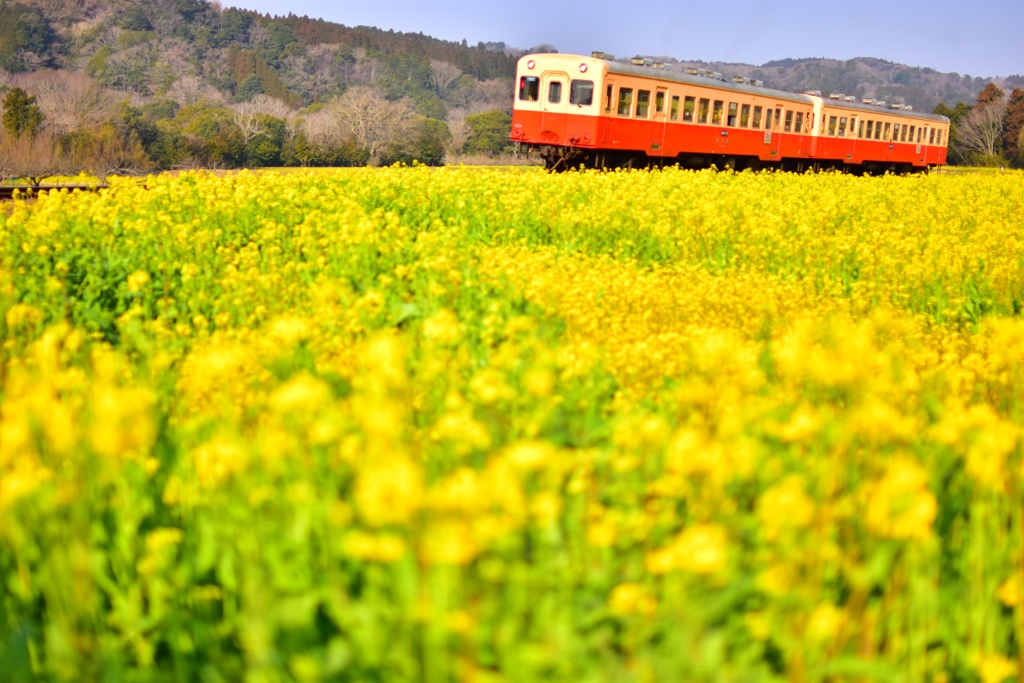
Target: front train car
point(556, 110)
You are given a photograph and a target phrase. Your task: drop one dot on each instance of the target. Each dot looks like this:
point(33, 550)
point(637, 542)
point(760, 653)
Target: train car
point(592, 111)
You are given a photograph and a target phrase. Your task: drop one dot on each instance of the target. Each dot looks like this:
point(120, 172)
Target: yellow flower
point(629, 599)
point(389, 491)
point(900, 505)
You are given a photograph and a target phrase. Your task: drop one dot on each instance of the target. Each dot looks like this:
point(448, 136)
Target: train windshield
point(581, 93)
point(529, 88)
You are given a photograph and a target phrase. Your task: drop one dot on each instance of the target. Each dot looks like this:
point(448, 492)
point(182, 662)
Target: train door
point(554, 99)
point(773, 137)
point(660, 120)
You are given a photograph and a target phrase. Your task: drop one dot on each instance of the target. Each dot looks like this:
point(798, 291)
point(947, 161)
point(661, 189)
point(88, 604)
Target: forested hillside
point(127, 85)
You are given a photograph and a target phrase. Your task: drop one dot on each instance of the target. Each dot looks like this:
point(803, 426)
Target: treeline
point(183, 83)
point(990, 132)
point(60, 123)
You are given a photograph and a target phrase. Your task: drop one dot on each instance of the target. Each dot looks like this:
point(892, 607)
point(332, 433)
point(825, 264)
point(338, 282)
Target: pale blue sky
point(977, 37)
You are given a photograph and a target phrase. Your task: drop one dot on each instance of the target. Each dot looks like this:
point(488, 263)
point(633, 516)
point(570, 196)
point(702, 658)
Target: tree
point(489, 133)
point(363, 114)
point(32, 157)
point(443, 74)
point(980, 135)
point(1013, 126)
point(989, 94)
point(22, 116)
point(71, 101)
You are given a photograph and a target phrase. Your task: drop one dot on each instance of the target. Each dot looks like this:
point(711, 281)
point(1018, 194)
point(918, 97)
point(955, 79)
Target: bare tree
point(249, 117)
point(189, 90)
point(71, 101)
point(443, 74)
point(363, 114)
point(981, 131)
point(32, 157)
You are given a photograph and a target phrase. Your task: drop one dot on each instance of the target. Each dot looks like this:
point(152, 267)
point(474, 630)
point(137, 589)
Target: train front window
point(625, 101)
point(554, 92)
point(643, 103)
point(581, 93)
point(529, 88)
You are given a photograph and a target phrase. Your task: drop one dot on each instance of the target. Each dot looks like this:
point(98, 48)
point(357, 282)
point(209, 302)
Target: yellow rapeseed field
point(470, 425)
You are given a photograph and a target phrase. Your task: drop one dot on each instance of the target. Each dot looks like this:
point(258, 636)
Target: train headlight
point(530, 64)
point(583, 68)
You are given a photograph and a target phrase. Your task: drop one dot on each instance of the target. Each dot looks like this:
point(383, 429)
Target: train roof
point(706, 82)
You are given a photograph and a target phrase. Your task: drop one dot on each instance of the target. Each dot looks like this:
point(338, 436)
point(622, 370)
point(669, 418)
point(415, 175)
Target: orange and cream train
point(591, 111)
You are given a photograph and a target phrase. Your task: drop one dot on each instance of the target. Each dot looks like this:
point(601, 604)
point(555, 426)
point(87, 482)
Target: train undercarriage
point(558, 159)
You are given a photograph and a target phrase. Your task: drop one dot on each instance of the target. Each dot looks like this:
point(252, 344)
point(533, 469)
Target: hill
point(189, 83)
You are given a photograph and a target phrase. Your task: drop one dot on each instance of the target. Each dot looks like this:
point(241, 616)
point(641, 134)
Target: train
point(596, 112)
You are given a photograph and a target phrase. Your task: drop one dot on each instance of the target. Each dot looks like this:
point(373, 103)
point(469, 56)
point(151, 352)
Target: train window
point(529, 88)
point(675, 108)
point(659, 102)
point(938, 137)
point(860, 133)
point(768, 119)
point(745, 115)
point(800, 122)
point(832, 126)
point(688, 106)
point(702, 114)
point(871, 129)
point(910, 135)
point(554, 92)
point(757, 118)
point(608, 98)
point(903, 134)
point(789, 122)
point(733, 108)
point(778, 116)
point(842, 126)
point(716, 113)
point(895, 132)
point(643, 103)
point(878, 130)
point(931, 136)
point(581, 93)
point(888, 131)
point(920, 132)
point(625, 101)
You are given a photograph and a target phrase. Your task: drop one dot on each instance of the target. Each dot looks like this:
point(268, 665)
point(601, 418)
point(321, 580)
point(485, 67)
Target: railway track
point(7, 191)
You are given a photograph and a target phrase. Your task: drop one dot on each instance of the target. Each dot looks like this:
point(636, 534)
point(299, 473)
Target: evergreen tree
point(21, 114)
point(1013, 126)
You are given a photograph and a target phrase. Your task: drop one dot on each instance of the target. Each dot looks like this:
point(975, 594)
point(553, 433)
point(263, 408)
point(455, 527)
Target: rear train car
point(574, 110)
